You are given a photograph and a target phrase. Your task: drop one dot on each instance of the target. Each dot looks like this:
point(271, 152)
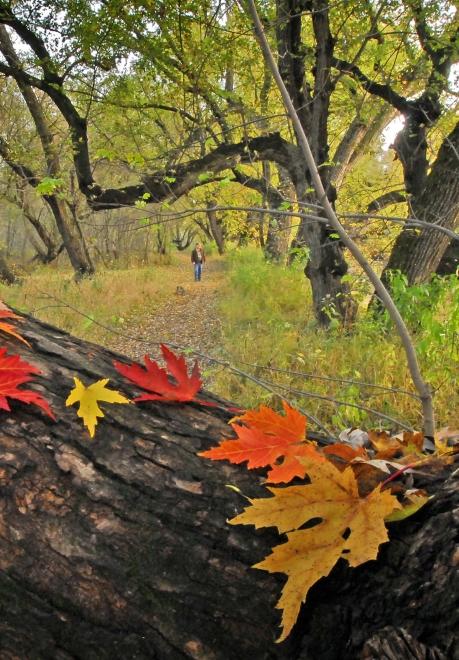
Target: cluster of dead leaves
point(349, 495)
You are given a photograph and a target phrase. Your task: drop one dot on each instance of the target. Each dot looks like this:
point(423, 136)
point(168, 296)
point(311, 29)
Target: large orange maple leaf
point(266, 438)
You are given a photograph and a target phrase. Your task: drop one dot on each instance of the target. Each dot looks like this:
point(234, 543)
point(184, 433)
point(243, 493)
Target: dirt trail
point(189, 318)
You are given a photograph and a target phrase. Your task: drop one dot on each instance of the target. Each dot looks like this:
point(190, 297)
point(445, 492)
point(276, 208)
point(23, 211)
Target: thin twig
point(338, 402)
point(334, 379)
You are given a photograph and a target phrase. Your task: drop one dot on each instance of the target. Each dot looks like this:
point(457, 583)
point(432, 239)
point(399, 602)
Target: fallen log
point(118, 547)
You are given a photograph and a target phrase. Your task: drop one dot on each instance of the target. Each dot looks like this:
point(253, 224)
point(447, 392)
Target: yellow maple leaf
point(350, 526)
point(89, 397)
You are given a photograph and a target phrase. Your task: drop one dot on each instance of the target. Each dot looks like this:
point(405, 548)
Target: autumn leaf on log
point(14, 372)
point(351, 527)
point(405, 444)
point(264, 439)
point(89, 397)
point(9, 329)
point(155, 379)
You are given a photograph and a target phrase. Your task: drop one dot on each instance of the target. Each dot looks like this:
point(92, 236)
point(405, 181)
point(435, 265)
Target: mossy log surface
point(118, 547)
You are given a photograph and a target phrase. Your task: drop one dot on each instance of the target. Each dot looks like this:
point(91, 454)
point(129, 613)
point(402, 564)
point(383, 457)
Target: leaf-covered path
point(189, 318)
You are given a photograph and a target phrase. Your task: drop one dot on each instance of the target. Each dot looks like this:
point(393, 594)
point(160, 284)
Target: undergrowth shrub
point(267, 320)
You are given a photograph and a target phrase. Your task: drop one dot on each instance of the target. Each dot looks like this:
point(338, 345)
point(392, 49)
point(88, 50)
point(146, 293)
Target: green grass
point(267, 320)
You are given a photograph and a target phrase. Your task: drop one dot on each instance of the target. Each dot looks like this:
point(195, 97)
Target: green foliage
point(267, 320)
point(48, 185)
point(431, 311)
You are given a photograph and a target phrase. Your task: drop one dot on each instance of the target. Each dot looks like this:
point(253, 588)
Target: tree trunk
point(216, 226)
point(67, 225)
point(279, 226)
point(6, 274)
point(72, 237)
point(327, 265)
point(449, 264)
point(118, 547)
point(416, 253)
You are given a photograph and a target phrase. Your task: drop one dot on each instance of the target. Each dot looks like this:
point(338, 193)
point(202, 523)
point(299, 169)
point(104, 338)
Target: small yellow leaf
point(89, 397)
point(342, 524)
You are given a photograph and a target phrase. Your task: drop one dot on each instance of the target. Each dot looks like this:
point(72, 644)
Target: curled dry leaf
point(387, 446)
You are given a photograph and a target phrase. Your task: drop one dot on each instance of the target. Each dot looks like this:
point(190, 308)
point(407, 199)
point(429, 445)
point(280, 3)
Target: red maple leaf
point(265, 438)
point(155, 379)
point(15, 372)
point(7, 327)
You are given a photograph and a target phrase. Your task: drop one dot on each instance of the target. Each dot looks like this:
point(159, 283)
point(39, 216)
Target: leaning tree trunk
point(418, 254)
point(118, 547)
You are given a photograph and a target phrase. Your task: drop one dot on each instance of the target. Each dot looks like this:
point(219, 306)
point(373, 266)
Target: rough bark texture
point(119, 548)
point(327, 264)
point(418, 254)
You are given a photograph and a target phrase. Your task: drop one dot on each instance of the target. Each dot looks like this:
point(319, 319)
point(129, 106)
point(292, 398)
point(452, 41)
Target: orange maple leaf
point(264, 439)
point(7, 327)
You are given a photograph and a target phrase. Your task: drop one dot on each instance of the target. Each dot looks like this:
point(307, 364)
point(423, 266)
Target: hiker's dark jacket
point(195, 258)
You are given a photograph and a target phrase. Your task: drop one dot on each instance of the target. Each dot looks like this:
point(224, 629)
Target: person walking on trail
point(198, 258)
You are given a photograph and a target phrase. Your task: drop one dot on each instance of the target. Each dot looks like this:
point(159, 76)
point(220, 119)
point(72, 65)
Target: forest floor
point(188, 318)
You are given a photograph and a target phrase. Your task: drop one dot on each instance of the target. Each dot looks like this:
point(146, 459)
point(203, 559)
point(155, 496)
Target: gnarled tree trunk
point(416, 253)
point(118, 547)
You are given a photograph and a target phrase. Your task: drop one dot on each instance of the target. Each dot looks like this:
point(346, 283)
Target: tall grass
point(267, 321)
point(114, 298)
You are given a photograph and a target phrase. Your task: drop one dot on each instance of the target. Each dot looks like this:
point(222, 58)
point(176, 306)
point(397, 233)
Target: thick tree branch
point(384, 92)
point(178, 181)
point(34, 41)
point(388, 198)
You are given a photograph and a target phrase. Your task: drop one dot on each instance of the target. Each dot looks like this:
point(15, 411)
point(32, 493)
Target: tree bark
point(326, 265)
point(118, 547)
point(279, 226)
point(418, 254)
point(216, 226)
